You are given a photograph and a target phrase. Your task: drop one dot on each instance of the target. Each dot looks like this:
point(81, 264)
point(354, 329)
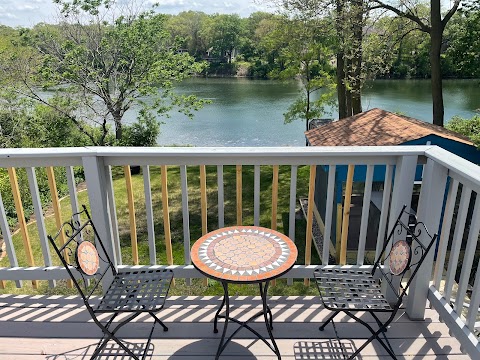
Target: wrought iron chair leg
point(110, 335)
point(375, 335)
point(330, 318)
point(165, 328)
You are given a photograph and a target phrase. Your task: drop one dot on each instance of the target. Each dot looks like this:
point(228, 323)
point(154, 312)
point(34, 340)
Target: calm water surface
point(247, 112)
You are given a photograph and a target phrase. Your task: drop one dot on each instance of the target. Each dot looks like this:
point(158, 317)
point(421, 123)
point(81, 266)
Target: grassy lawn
point(176, 220)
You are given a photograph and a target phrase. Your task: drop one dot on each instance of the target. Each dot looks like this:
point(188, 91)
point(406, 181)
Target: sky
point(27, 13)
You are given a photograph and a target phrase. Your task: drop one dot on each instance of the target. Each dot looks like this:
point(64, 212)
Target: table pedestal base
point(266, 312)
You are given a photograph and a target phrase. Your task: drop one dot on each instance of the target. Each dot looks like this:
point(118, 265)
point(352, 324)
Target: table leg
point(215, 321)
point(225, 301)
point(266, 312)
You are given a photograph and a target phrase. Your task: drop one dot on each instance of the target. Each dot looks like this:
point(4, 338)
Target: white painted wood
point(402, 194)
point(37, 208)
point(367, 194)
point(457, 241)
point(468, 257)
point(256, 195)
point(186, 216)
point(429, 212)
point(221, 206)
point(469, 341)
point(329, 213)
point(445, 234)
point(384, 211)
point(7, 238)
point(96, 182)
point(474, 302)
point(112, 211)
point(460, 169)
point(72, 191)
point(293, 206)
point(152, 250)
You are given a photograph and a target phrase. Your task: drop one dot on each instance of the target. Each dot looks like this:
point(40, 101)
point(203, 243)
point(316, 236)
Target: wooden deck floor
point(59, 328)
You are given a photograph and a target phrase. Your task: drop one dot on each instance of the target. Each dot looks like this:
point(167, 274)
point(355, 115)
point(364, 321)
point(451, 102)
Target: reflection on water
point(250, 112)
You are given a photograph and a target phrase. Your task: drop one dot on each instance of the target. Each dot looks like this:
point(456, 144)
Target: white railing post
point(429, 212)
point(98, 197)
point(401, 195)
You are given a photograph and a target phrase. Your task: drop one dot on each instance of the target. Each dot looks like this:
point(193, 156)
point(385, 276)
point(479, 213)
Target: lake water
point(247, 112)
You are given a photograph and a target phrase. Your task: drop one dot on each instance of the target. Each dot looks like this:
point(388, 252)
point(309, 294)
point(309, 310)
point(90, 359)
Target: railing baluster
point(131, 211)
point(382, 226)
point(166, 215)
point(72, 191)
point(37, 207)
point(57, 210)
point(186, 217)
point(273, 225)
point(293, 202)
point(329, 214)
point(221, 206)
point(152, 250)
point(309, 234)
point(346, 214)
point(256, 195)
point(239, 194)
point(203, 198)
point(457, 241)
point(367, 194)
point(474, 301)
point(113, 214)
point(468, 257)
point(203, 204)
point(445, 234)
point(7, 237)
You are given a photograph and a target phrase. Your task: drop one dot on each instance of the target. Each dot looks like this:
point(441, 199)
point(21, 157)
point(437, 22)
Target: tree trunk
point(435, 49)
point(118, 128)
point(341, 90)
point(357, 57)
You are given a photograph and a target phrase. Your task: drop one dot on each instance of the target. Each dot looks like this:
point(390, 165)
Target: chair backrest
point(82, 253)
point(406, 255)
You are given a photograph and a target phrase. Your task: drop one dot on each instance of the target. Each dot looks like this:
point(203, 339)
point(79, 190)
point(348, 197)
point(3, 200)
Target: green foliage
point(463, 52)
point(467, 127)
point(142, 133)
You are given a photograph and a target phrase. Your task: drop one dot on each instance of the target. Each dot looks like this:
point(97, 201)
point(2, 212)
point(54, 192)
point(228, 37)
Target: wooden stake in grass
point(311, 199)
point(346, 214)
point(338, 237)
point(131, 210)
point(12, 174)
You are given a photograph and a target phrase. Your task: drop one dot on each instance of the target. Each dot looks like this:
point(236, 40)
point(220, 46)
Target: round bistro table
point(244, 255)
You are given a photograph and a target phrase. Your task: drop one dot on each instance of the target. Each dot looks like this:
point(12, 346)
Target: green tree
point(224, 33)
point(187, 26)
point(101, 69)
point(464, 44)
point(467, 127)
point(306, 57)
point(434, 25)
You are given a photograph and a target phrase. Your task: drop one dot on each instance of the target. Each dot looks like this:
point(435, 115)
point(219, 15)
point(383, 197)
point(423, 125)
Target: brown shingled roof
point(377, 127)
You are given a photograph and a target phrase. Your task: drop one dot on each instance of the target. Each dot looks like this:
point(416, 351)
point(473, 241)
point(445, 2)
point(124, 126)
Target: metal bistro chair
point(132, 292)
point(350, 291)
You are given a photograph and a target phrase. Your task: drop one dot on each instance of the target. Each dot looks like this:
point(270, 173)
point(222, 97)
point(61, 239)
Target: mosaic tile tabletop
point(244, 254)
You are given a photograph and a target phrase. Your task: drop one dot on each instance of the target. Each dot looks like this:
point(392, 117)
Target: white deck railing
point(443, 173)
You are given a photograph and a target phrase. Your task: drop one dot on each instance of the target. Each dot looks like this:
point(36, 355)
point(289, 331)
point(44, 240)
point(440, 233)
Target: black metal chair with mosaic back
point(350, 291)
point(133, 292)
